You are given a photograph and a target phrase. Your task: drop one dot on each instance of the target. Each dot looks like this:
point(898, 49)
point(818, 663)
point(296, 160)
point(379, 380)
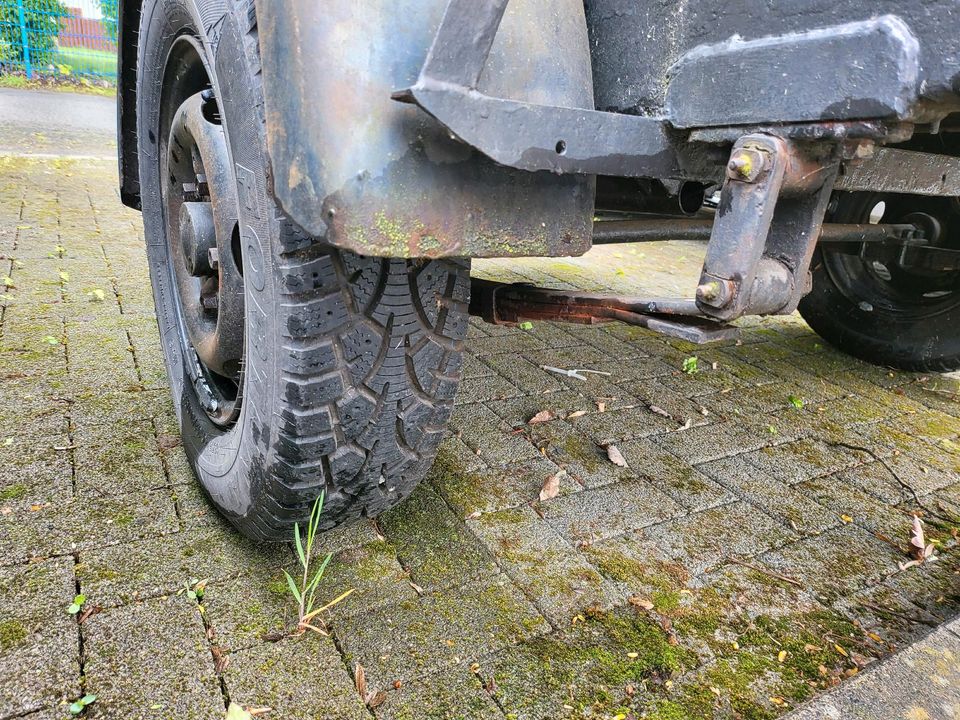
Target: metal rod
point(624, 231)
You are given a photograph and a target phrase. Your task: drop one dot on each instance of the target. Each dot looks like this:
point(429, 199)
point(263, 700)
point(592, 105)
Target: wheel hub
point(203, 236)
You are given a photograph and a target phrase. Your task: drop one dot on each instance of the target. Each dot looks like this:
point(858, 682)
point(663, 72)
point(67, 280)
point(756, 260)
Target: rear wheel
point(890, 304)
point(294, 367)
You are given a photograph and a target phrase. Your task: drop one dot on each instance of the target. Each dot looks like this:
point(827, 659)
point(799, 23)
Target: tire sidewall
point(229, 464)
point(876, 335)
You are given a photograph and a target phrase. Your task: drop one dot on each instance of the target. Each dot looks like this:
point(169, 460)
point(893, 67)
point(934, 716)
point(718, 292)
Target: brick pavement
point(746, 560)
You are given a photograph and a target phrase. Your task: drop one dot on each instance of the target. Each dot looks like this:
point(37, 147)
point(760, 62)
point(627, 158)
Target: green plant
point(42, 20)
point(80, 705)
point(305, 592)
point(77, 604)
point(795, 401)
point(110, 10)
point(690, 365)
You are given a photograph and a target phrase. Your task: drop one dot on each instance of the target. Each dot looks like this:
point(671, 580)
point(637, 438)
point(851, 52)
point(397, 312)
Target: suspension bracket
point(772, 205)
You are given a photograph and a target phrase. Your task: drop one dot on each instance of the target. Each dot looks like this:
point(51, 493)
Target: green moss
point(124, 517)
point(582, 451)
point(12, 633)
point(13, 492)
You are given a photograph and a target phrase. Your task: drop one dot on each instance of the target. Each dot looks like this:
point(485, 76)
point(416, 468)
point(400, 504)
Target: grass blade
point(293, 587)
point(340, 598)
point(296, 536)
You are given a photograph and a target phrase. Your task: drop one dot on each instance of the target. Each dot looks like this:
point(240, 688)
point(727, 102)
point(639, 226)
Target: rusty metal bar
point(508, 304)
point(659, 229)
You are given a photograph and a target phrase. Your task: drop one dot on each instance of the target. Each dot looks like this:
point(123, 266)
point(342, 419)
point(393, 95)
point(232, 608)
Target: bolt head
point(746, 165)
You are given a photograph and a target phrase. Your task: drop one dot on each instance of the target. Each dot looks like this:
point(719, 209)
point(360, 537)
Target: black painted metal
point(853, 71)
point(635, 44)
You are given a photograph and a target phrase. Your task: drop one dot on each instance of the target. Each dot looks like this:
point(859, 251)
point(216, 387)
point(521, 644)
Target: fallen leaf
point(781, 656)
point(660, 411)
point(846, 518)
point(551, 486)
point(615, 456)
point(633, 655)
point(416, 588)
point(542, 417)
point(360, 680)
point(919, 548)
point(640, 601)
point(376, 700)
point(576, 414)
point(601, 406)
point(474, 515)
point(840, 650)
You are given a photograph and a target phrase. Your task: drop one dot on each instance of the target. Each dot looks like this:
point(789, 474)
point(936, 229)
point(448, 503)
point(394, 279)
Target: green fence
point(65, 38)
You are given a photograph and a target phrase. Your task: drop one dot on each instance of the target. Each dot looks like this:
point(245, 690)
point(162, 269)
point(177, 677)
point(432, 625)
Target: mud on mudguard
point(382, 178)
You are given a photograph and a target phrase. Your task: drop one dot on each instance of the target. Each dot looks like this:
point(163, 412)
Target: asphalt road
point(37, 122)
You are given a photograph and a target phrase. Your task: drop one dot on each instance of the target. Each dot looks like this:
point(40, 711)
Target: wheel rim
point(202, 234)
point(878, 278)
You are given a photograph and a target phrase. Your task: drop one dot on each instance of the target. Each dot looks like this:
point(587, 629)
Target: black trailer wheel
point(294, 367)
point(889, 304)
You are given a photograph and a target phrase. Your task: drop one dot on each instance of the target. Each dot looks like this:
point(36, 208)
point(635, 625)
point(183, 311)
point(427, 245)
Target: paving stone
point(791, 507)
point(488, 436)
point(163, 565)
point(459, 696)
point(518, 411)
point(243, 610)
point(842, 560)
point(275, 675)
point(548, 570)
point(492, 489)
point(848, 501)
point(700, 541)
point(406, 641)
point(929, 670)
point(523, 373)
point(808, 458)
point(579, 455)
point(371, 571)
point(608, 510)
point(150, 653)
point(711, 442)
point(594, 669)
point(485, 388)
point(83, 524)
point(433, 543)
point(876, 479)
point(685, 484)
point(34, 621)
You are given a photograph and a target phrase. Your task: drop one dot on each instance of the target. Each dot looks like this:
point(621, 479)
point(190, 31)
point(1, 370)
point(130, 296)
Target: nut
point(746, 164)
point(716, 293)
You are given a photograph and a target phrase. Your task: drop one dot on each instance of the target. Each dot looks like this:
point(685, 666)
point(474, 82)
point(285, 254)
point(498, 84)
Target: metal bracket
point(540, 137)
point(508, 304)
point(771, 210)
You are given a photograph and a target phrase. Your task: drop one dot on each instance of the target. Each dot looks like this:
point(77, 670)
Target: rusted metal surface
point(772, 206)
point(383, 178)
point(903, 171)
point(659, 229)
point(506, 304)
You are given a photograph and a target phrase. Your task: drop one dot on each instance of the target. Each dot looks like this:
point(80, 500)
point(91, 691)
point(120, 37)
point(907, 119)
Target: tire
point(878, 312)
point(350, 363)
